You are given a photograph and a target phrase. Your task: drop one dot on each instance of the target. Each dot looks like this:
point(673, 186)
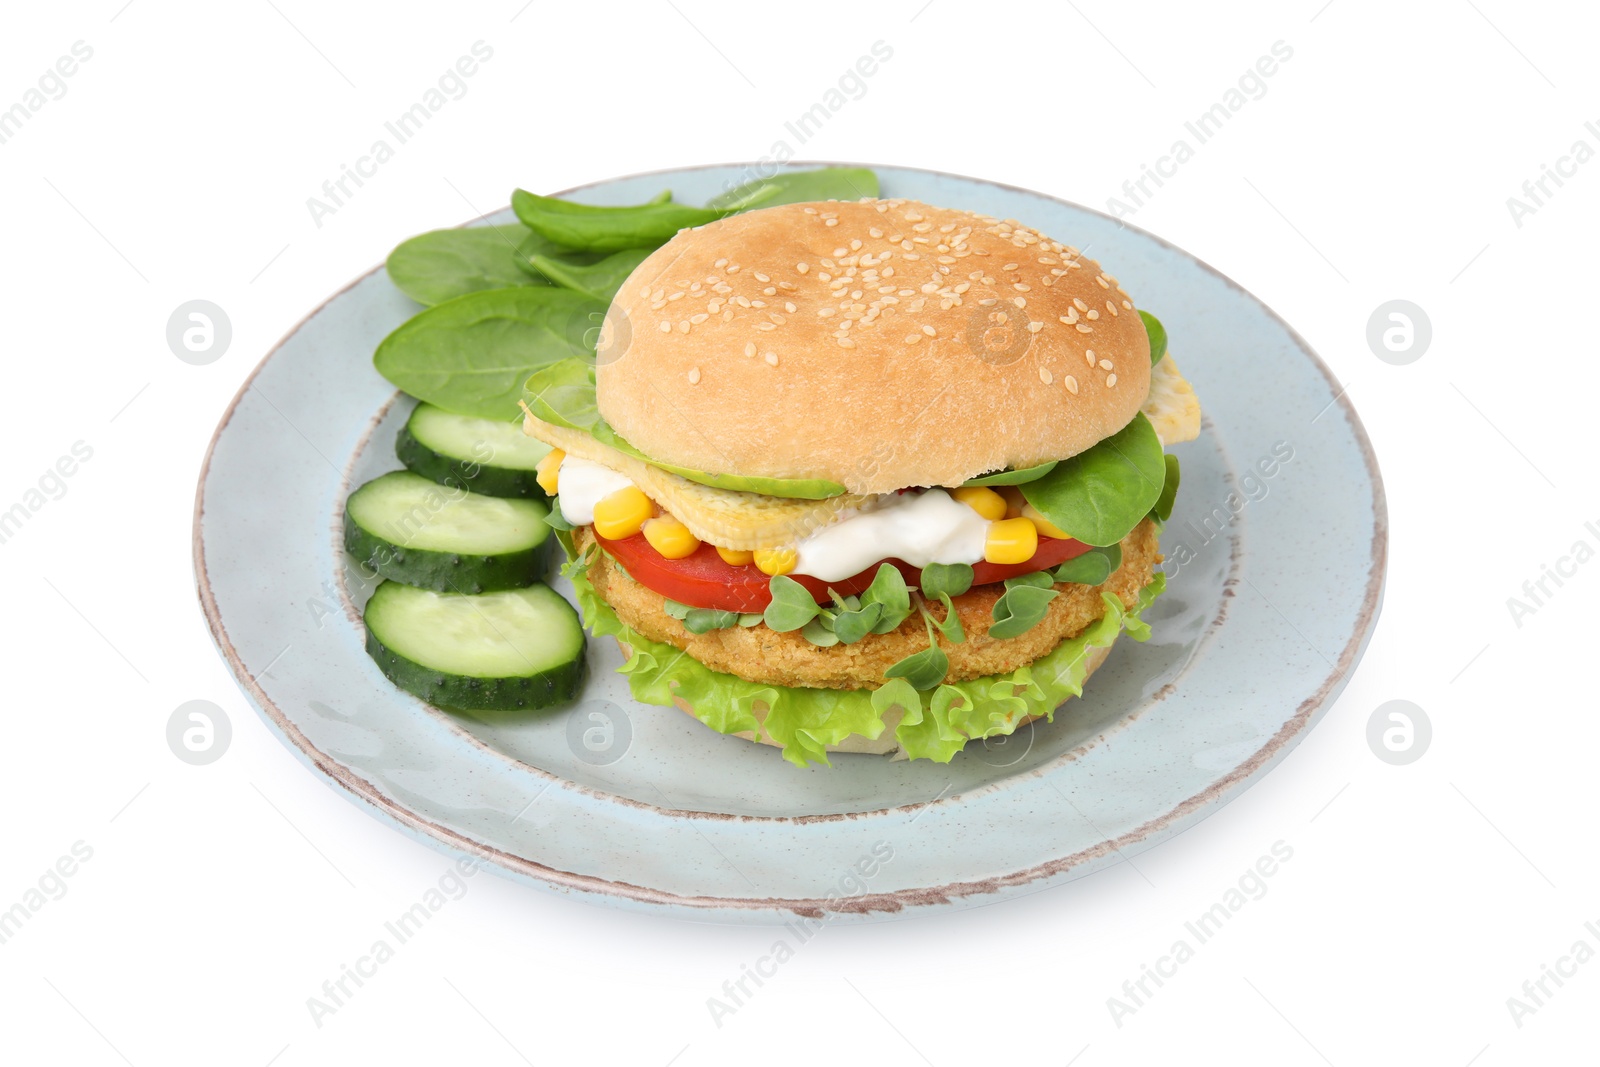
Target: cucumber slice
point(483, 455)
point(522, 648)
point(415, 531)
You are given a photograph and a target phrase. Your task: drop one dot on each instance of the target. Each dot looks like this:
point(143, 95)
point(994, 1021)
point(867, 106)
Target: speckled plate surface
point(1276, 563)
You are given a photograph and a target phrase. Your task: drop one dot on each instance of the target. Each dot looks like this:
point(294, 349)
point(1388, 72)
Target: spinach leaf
point(1014, 477)
point(590, 228)
point(852, 626)
point(1099, 495)
point(799, 186)
point(1158, 336)
point(888, 591)
point(598, 280)
point(1091, 568)
point(440, 265)
point(1169, 490)
point(471, 355)
point(534, 245)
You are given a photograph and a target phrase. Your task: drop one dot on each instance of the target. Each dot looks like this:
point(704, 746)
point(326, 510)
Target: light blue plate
point(1275, 584)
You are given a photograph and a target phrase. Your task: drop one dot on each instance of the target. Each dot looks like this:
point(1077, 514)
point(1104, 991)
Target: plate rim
point(893, 901)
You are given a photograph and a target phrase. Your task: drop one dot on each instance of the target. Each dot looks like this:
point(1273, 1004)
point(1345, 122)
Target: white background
point(1377, 166)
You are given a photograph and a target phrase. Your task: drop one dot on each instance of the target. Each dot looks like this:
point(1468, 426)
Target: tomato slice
point(704, 580)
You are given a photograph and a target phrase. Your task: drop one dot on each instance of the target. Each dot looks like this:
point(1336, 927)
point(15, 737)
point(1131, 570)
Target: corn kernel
point(547, 472)
point(735, 557)
point(775, 560)
point(622, 514)
point(670, 537)
point(1015, 501)
point(1011, 541)
point(980, 498)
point(1042, 524)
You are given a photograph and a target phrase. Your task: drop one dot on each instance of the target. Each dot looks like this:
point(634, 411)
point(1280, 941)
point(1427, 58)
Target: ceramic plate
point(1275, 575)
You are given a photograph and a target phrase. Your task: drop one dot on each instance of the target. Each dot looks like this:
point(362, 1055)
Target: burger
point(871, 477)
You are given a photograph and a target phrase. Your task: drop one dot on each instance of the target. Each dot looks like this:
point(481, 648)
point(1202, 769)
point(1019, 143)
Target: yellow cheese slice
point(739, 520)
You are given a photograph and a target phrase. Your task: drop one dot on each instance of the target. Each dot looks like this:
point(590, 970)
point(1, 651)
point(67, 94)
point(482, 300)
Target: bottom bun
point(885, 744)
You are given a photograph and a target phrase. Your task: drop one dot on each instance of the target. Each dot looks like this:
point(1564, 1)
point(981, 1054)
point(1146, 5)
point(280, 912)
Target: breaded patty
point(762, 655)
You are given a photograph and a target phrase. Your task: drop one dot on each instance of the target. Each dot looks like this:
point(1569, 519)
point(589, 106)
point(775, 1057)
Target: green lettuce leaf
point(805, 721)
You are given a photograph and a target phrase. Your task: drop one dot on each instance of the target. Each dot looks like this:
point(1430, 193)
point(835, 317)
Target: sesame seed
point(762, 277)
point(845, 342)
point(1111, 307)
point(1019, 301)
point(771, 358)
point(824, 312)
point(1079, 304)
point(1088, 356)
point(694, 375)
point(769, 291)
point(913, 338)
point(666, 327)
point(1092, 314)
point(1072, 384)
point(1105, 364)
point(1102, 282)
point(789, 308)
point(1009, 266)
point(830, 222)
point(1035, 327)
point(1111, 381)
point(720, 263)
point(930, 331)
point(698, 319)
point(854, 245)
point(765, 326)
point(750, 348)
point(675, 296)
point(1045, 376)
point(714, 307)
point(644, 293)
point(684, 326)
point(801, 267)
point(1021, 288)
point(1085, 329)
point(1128, 304)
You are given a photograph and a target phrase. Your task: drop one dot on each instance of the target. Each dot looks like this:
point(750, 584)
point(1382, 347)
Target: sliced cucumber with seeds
point(483, 455)
point(521, 648)
point(421, 533)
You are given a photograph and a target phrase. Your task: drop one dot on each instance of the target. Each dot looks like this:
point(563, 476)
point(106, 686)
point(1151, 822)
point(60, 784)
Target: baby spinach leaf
point(1014, 477)
point(750, 619)
point(1158, 336)
point(598, 280)
point(1099, 495)
point(798, 187)
point(1169, 490)
point(440, 265)
point(534, 245)
point(471, 355)
point(792, 606)
point(591, 228)
point(946, 579)
point(676, 610)
point(1020, 609)
point(1091, 568)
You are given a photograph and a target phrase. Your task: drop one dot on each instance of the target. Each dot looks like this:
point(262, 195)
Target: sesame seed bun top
point(880, 344)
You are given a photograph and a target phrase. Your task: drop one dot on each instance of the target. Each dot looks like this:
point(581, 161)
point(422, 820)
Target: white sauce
point(920, 528)
point(583, 484)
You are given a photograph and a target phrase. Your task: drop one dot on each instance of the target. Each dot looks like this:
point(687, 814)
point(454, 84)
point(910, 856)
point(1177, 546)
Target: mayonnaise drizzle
point(583, 484)
point(920, 528)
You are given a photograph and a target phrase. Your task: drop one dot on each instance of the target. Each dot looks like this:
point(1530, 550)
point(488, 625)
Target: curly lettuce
point(805, 722)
